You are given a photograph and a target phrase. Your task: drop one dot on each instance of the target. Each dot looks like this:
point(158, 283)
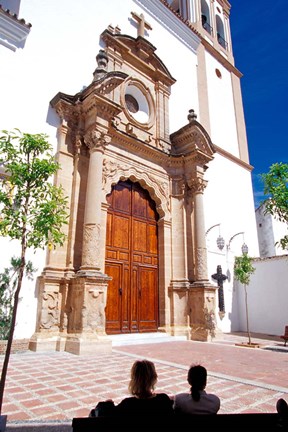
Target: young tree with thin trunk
point(276, 188)
point(243, 269)
point(32, 209)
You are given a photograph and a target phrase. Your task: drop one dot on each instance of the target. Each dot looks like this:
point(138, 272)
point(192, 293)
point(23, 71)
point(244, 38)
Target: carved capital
point(178, 187)
point(197, 185)
point(96, 140)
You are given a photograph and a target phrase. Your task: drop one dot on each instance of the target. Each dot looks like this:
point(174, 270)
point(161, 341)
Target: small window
point(218, 73)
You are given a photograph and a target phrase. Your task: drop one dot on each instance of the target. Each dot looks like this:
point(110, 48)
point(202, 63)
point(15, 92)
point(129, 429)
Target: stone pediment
point(140, 53)
point(192, 139)
point(102, 86)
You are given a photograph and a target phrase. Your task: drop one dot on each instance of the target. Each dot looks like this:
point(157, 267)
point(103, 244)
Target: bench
point(285, 336)
point(271, 422)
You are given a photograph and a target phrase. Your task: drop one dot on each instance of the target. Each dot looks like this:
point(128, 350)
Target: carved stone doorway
point(131, 260)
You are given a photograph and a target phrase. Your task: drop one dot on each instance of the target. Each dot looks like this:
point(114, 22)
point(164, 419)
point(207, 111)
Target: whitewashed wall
point(267, 297)
point(270, 231)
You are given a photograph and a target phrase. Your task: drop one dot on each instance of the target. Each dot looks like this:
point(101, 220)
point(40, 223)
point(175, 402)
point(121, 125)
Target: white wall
point(267, 297)
point(270, 231)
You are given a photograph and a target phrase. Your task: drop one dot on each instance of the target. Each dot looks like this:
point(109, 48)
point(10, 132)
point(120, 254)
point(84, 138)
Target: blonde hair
point(143, 378)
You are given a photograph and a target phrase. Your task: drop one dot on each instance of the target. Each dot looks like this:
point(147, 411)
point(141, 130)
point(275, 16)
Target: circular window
point(218, 73)
point(137, 103)
point(131, 103)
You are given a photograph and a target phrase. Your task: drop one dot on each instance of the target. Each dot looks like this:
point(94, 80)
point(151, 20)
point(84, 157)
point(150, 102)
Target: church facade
point(153, 156)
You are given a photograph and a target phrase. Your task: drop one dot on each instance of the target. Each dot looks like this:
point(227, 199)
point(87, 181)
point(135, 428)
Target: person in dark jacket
point(144, 402)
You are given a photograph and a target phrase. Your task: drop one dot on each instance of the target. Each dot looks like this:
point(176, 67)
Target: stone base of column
point(177, 330)
point(74, 344)
point(178, 292)
point(81, 345)
point(46, 342)
point(202, 305)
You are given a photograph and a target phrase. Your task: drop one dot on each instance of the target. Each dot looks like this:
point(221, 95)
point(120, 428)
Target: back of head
point(143, 378)
point(197, 378)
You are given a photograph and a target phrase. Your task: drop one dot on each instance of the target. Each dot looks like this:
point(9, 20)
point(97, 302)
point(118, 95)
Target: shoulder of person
point(163, 395)
point(214, 396)
point(182, 395)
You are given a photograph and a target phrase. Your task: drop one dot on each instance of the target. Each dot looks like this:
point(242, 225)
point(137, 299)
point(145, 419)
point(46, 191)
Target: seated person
point(197, 401)
point(144, 402)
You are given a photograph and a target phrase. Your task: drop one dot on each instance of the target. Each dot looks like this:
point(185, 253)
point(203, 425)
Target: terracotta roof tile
point(14, 16)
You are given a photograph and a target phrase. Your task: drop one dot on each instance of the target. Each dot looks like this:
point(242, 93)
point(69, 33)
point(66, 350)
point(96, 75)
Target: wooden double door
point(131, 260)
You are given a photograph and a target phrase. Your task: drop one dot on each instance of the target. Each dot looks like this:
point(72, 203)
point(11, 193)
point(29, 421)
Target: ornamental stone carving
point(113, 172)
point(197, 185)
point(91, 245)
point(96, 140)
point(178, 187)
point(50, 312)
point(201, 258)
point(93, 312)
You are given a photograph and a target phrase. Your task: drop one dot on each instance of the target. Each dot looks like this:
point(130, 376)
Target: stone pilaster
point(179, 285)
point(202, 294)
point(86, 315)
point(197, 185)
point(91, 262)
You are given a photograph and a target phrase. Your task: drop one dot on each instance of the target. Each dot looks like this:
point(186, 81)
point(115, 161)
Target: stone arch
point(113, 172)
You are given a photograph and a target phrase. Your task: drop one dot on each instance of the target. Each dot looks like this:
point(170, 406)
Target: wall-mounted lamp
point(220, 240)
point(244, 247)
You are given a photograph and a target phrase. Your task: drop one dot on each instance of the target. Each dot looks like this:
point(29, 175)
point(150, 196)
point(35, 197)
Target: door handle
point(120, 291)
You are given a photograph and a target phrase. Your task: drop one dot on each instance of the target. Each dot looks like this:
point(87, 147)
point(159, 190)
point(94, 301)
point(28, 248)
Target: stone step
point(143, 338)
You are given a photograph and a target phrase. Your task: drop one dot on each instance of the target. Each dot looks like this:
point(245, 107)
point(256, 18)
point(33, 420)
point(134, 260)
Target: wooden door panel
point(118, 298)
point(121, 232)
point(131, 260)
point(152, 243)
point(122, 198)
point(113, 306)
point(147, 298)
point(139, 236)
point(139, 203)
point(125, 293)
point(134, 300)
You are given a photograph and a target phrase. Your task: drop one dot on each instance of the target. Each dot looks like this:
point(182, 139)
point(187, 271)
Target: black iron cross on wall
point(220, 277)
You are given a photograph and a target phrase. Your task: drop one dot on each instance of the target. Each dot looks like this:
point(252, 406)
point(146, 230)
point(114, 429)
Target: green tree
point(32, 209)
point(8, 285)
point(243, 269)
point(276, 188)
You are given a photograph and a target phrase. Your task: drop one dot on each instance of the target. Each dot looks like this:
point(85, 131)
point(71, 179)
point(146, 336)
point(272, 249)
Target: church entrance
point(131, 260)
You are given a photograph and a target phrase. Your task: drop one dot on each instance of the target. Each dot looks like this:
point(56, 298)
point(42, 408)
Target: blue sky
point(260, 46)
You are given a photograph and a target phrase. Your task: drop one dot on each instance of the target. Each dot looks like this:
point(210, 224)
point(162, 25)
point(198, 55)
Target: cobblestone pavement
point(57, 386)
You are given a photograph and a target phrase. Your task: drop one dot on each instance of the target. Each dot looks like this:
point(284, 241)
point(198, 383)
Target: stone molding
point(159, 191)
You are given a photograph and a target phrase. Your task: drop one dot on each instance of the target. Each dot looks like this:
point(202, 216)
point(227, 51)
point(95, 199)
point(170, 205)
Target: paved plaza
point(54, 387)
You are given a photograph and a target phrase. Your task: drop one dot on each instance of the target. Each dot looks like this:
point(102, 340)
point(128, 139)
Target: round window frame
point(145, 115)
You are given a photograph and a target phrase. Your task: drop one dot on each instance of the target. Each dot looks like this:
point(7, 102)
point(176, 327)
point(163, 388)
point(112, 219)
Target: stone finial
point(191, 116)
point(102, 61)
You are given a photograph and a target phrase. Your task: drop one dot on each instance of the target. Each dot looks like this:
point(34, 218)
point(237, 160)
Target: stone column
point(197, 186)
point(178, 232)
point(91, 262)
point(201, 298)
point(179, 285)
point(88, 289)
